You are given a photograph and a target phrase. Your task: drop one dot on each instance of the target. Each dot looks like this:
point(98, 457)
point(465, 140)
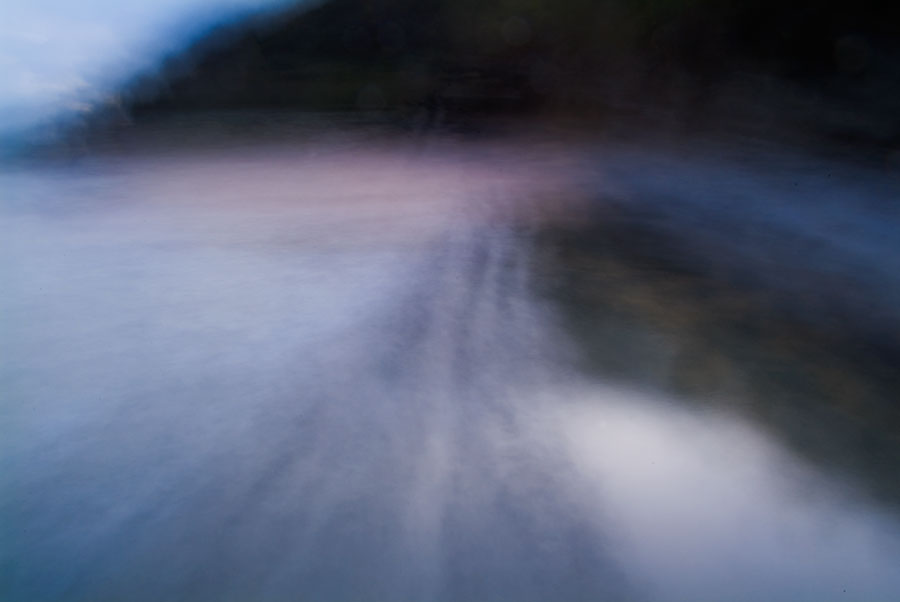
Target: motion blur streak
point(280, 376)
point(327, 375)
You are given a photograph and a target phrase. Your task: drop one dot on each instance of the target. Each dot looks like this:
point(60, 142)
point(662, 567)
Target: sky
point(58, 56)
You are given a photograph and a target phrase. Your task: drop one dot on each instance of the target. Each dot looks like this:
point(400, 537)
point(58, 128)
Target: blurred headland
point(808, 71)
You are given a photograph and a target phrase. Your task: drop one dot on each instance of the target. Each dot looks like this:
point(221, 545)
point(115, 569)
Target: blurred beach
point(372, 366)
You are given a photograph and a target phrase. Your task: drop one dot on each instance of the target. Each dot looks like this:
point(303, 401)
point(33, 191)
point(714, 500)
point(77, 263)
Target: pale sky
point(56, 56)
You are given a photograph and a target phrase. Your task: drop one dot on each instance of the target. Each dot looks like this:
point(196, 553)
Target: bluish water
point(325, 375)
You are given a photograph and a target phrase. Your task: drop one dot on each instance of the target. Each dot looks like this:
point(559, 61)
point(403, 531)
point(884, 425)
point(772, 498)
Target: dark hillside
point(835, 66)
